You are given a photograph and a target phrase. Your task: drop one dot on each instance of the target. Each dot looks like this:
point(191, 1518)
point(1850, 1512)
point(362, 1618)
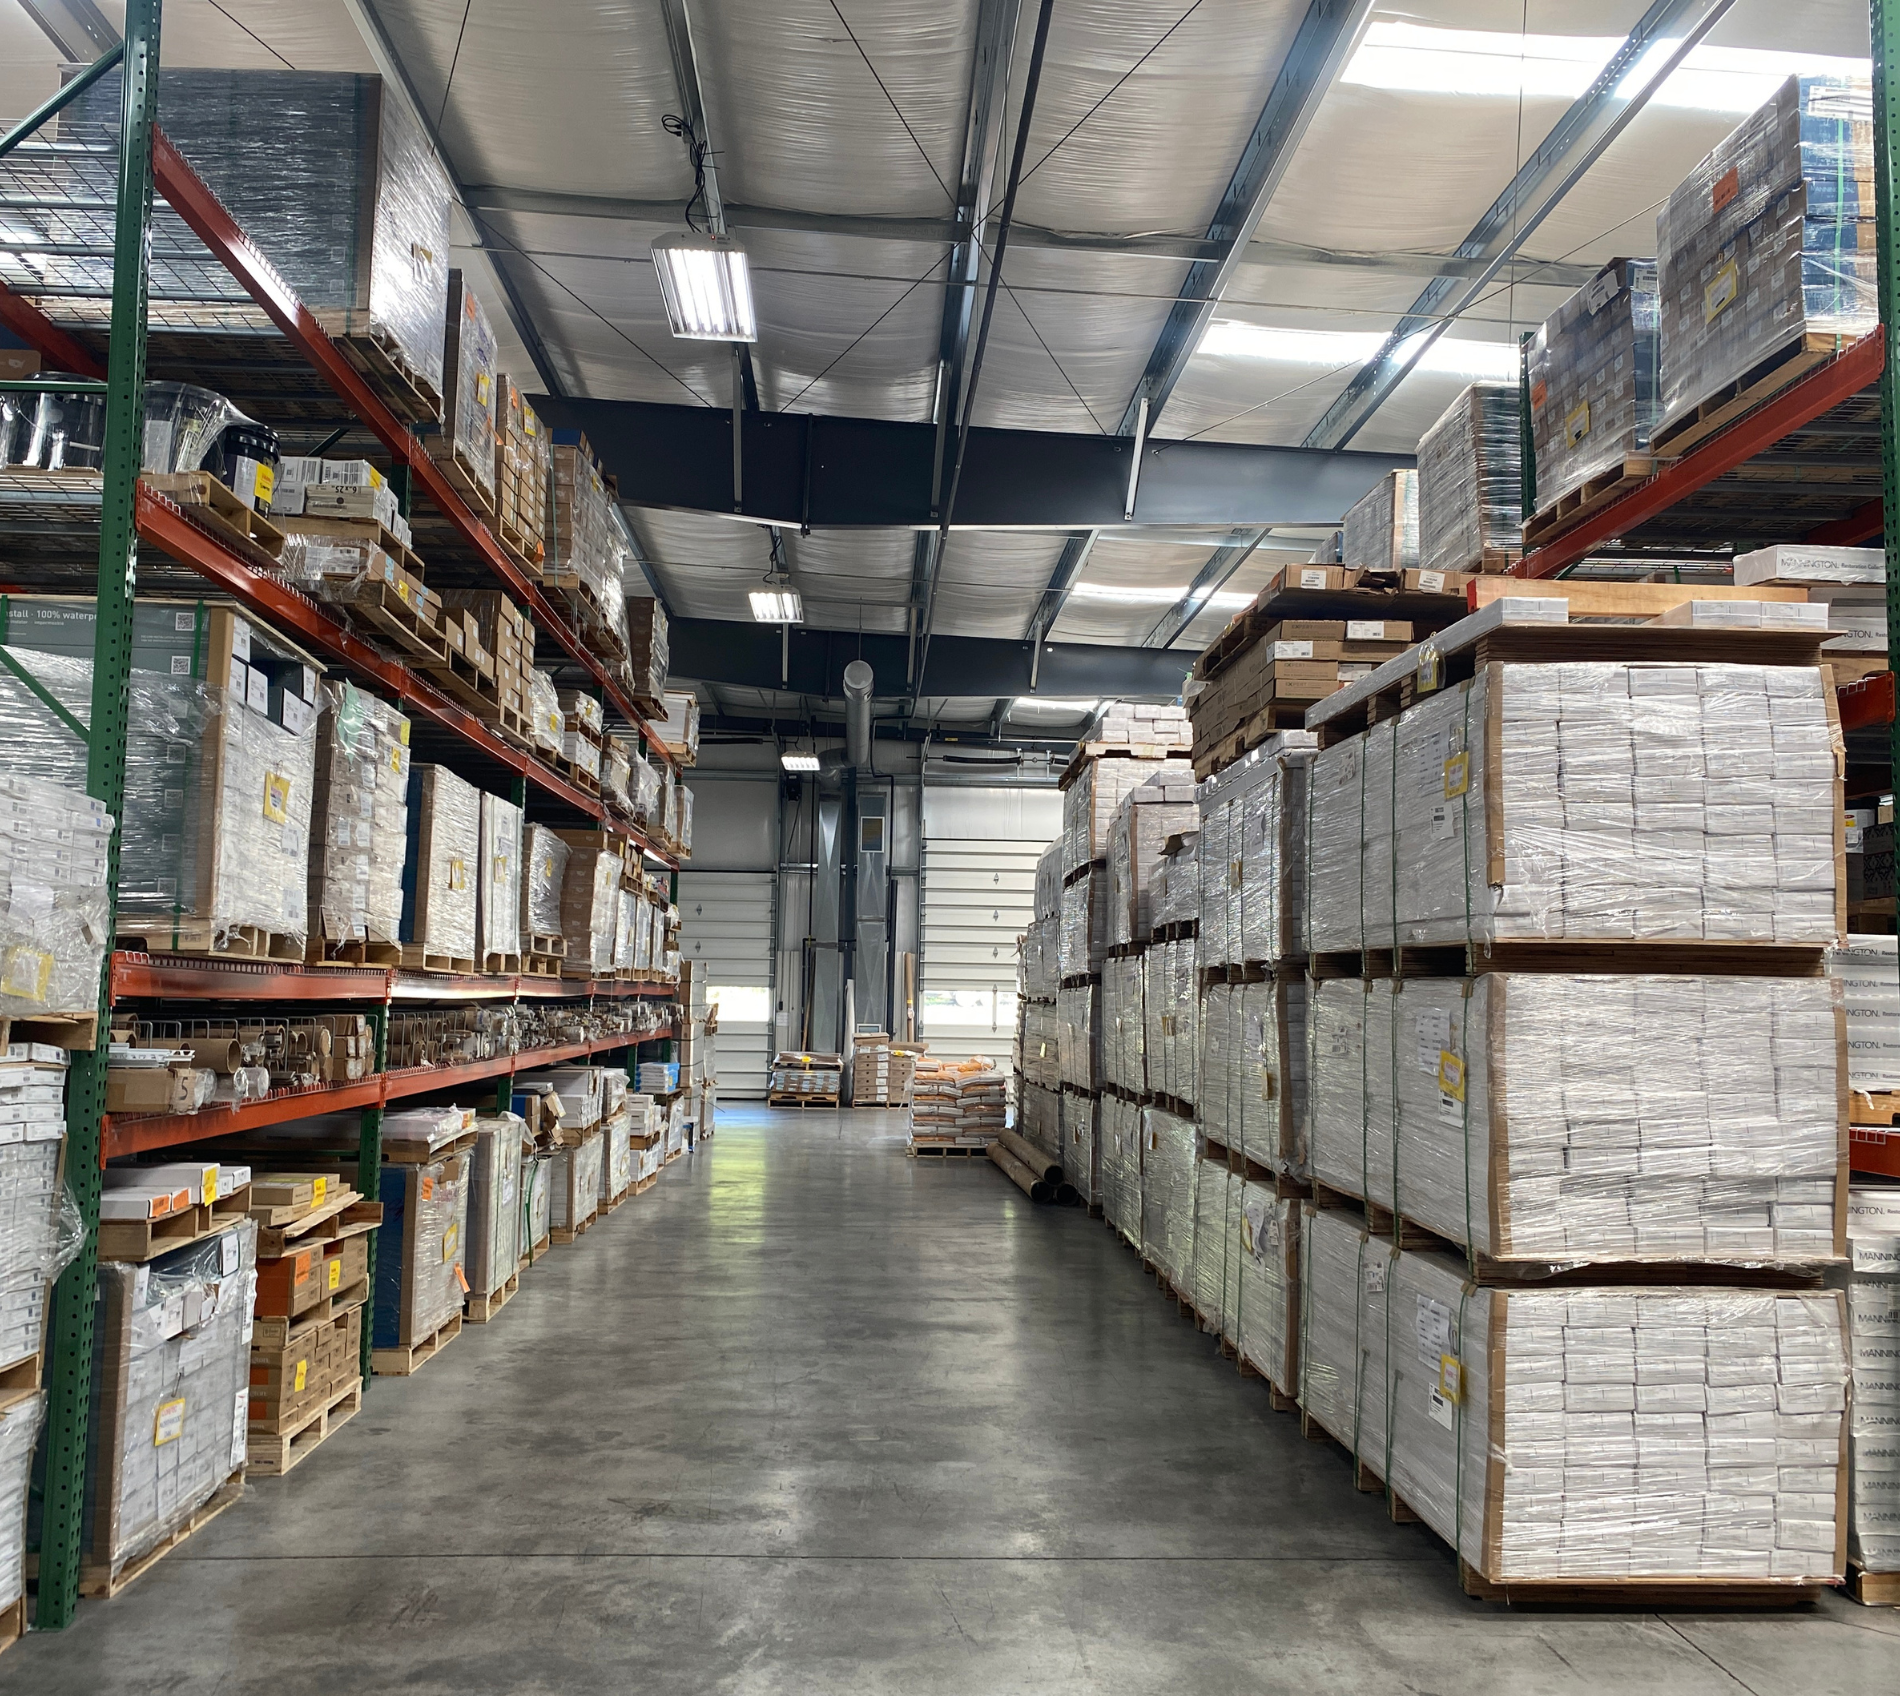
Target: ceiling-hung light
point(798, 762)
point(707, 288)
point(777, 606)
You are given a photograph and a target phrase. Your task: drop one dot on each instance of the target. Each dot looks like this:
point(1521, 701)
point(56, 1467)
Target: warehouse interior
point(1009, 844)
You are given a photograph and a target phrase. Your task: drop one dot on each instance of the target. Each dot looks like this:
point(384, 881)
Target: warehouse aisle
point(816, 1417)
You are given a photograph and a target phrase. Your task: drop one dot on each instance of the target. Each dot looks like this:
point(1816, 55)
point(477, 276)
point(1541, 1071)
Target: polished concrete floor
point(813, 1417)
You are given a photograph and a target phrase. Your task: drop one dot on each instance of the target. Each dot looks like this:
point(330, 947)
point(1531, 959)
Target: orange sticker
point(428, 1189)
point(1727, 186)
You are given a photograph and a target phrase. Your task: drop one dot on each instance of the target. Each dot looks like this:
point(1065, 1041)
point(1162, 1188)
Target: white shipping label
point(1451, 1111)
point(1434, 1331)
point(240, 1431)
point(1445, 816)
point(228, 1254)
point(1434, 1036)
point(1375, 1277)
point(1365, 630)
point(240, 640)
point(1292, 650)
point(1313, 579)
point(1441, 1407)
point(1432, 582)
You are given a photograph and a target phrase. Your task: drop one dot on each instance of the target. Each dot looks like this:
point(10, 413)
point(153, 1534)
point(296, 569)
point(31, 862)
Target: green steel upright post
point(369, 1180)
point(69, 1365)
point(1886, 37)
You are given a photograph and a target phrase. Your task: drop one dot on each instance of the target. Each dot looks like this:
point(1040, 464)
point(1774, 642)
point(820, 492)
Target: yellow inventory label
point(1266, 1083)
point(336, 1274)
point(1451, 1074)
point(1577, 424)
point(266, 484)
point(481, 388)
point(276, 798)
point(211, 1186)
point(319, 1188)
point(1721, 292)
point(1457, 775)
point(458, 875)
point(28, 973)
point(1451, 1378)
point(1431, 667)
point(168, 1424)
point(501, 868)
point(302, 1378)
point(450, 1238)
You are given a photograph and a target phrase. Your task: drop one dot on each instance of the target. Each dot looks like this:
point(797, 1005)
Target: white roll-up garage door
point(978, 898)
point(726, 927)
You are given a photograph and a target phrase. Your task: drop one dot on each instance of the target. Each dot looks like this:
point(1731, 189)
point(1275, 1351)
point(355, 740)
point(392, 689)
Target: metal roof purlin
point(1595, 119)
point(1221, 564)
point(1319, 49)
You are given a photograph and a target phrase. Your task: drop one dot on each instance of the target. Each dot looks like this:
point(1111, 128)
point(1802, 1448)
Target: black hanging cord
point(696, 151)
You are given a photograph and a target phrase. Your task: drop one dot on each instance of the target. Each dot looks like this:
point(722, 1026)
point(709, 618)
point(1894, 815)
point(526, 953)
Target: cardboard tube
point(1019, 1174)
point(1031, 1156)
point(215, 1053)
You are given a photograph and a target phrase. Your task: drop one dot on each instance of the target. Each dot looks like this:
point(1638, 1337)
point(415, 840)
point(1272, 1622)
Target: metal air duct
point(857, 715)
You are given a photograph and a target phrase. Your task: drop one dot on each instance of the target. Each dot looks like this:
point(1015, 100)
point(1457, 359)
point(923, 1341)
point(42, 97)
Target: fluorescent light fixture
point(708, 290)
point(799, 762)
point(777, 606)
point(1050, 704)
point(1342, 349)
point(1421, 59)
point(1142, 595)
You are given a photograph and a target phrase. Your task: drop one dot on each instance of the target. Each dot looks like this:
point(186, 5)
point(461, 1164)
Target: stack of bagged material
point(1471, 485)
point(1768, 241)
point(1873, 1307)
point(963, 1103)
point(1593, 377)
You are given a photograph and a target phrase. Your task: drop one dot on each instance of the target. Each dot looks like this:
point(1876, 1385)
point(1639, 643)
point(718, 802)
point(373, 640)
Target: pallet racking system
point(110, 523)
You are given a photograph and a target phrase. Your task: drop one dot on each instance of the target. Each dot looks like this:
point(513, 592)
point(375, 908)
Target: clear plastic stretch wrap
point(543, 876)
point(1613, 1433)
point(616, 1153)
point(19, 1431)
point(470, 395)
point(53, 928)
point(585, 549)
point(1253, 855)
point(575, 1194)
point(544, 712)
point(1344, 1274)
point(1048, 900)
point(1252, 1091)
point(1471, 482)
point(1041, 958)
point(494, 1202)
point(1177, 889)
point(332, 179)
point(537, 1166)
point(1121, 1137)
point(1096, 791)
point(217, 803)
point(1142, 825)
point(1264, 1252)
point(1873, 1315)
point(649, 652)
point(170, 1397)
point(1079, 1035)
point(1381, 528)
point(1083, 943)
point(626, 941)
point(1171, 1003)
point(1167, 1193)
point(590, 907)
point(644, 792)
point(361, 818)
point(37, 1236)
point(1562, 1119)
point(1079, 1149)
point(1042, 1043)
point(1769, 239)
point(1123, 1026)
point(420, 1250)
point(683, 835)
point(1868, 971)
point(1213, 1264)
point(442, 877)
point(1039, 1118)
point(1586, 801)
point(1593, 377)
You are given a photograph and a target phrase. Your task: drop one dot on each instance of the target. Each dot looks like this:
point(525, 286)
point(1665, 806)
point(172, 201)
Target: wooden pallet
point(583, 780)
point(416, 958)
point(371, 532)
point(1635, 1592)
point(377, 356)
point(461, 679)
point(345, 1214)
point(1873, 1589)
point(640, 1186)
point(534, 1253)
point(211, 506)
point(1591, 495)
point(140, 1240)
point(1873, 1107)
point(975, 1151)
point(1582, 957)
point(199, 936)
point(501, 965)
point(12, 1623)
point(505, 720)
point(61, 1030)
point(541, 965)
point(351, 951)
point(783, 1100)
point(555, 946)
point(562, 1235)
point(379, 608)
point(400, 1362)
point(1759, 383)
point(479, 1309)
point(273, 1453)
point(1364, 1477)
point(462, 476)
point(100, 1584)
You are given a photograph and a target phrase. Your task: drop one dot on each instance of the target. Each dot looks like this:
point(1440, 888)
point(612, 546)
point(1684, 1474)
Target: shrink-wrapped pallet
point(616, 1153)
point(360, 818)
point(545, 727)
point(420, 1249)
point(1121, 1133)
point(1039, 1118)
point(498, 913)
point(1471, 482)
point(1251, 1093)
point(648, 649)
point(19, 1431)
point(574, 1183)
point(1381, 528)
point(543, 876)
point(1095, 791)
point(441, 877)
point(1626, 1433)
point(1264, 1248)
point(1252, 851)
point(1545, 1117)
point(53, 913)
point(170, 1394)
point(1769, 239)
point(1214, 1266)
point(1593, 378)
point(1171, 1005)
point(1041, 1058)
point(494, 1202)
point(1079, 1035)
point(1167, 1193)
point(1873, 1312)
point(38, 1231)
point(1123, 1026)
point(1142, 825)
point(1177, 890)
point(590, 910)
point(469, 393)
point(1049, 872)
point(521, 472)
point(1079, 1123)
point(1868, 971)
point(1344, 1330)
point(1083, 941)
point(1586, 801)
